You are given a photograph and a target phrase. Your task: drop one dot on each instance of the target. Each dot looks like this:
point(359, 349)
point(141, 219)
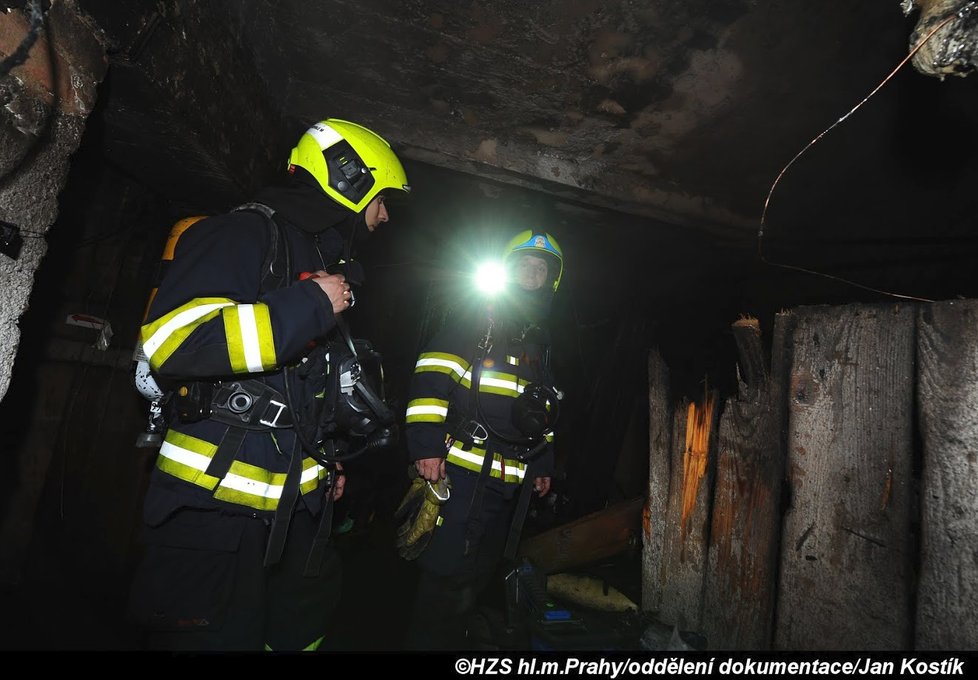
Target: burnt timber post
point(738, 610)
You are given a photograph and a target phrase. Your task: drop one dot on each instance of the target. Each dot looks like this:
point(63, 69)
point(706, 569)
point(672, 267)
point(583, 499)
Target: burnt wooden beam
point(741, 578)
point(597, 536)
point(687, 523)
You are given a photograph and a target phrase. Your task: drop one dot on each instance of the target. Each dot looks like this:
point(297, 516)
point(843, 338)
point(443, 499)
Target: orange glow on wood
point(699, 421)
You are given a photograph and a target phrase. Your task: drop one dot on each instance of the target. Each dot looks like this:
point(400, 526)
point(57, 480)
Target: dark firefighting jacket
point(440, 400)
point(224, 311)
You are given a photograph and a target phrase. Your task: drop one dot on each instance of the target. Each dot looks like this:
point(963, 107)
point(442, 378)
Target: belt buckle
point(477, 431)
point(278, 414)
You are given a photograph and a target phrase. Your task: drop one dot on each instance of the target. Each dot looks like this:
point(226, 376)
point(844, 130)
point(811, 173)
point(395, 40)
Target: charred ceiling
point(684, 112)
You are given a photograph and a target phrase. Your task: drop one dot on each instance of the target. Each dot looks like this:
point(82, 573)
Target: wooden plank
point(947, 596)
point(741, 575)
point(660, 451)
point(752, 365)
point(687, 519)
point(846, 555)
point(586, 540)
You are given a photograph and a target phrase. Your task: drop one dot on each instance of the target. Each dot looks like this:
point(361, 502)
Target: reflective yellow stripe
point(187, 457)
point(441, 362)
point(473, 460)
point(506, 384)
point(162, 337)
point(312, 472)
point(427, 411)
point(259, 488)
point(311, 647)
point(251, 346)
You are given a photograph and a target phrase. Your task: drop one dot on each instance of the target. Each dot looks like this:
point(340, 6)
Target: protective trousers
point(460, 561)
point(202, 585)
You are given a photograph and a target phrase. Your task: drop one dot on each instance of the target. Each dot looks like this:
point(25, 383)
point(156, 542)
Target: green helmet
point(351, 163)
point(542, 245)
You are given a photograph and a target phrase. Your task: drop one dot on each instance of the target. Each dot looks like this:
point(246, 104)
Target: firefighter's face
point(531, 272)
point(376, 212)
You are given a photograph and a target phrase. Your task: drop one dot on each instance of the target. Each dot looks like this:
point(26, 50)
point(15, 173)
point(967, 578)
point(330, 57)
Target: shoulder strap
point(277, 262)
point(483, 348)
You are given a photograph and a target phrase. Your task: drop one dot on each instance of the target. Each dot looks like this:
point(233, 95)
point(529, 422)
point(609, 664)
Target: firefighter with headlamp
point(479, 431)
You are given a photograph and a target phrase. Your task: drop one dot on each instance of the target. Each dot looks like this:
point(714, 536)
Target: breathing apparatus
point(355, 418)
point(143, 378)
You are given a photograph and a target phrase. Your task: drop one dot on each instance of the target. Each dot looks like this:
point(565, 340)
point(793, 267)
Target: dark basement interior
point(646, 136)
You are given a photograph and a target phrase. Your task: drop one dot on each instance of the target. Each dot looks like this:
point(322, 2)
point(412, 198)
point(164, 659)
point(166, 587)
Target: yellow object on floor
point(588, 592)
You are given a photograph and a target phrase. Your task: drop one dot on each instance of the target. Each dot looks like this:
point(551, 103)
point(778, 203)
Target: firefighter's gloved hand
point(418, 515)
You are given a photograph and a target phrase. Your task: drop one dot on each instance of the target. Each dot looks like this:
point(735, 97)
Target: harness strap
point(286, 504)
point(475, 505)
point(519, 516)
point(314, 563)
point(226, 452)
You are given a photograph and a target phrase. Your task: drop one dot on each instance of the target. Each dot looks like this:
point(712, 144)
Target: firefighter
point(479, 429)
point(233, 553)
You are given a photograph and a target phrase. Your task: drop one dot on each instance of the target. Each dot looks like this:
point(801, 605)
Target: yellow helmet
point(541, 244)
point(351, 163)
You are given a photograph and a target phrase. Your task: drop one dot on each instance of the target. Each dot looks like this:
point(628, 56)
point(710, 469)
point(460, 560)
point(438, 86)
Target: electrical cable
point(961, 13)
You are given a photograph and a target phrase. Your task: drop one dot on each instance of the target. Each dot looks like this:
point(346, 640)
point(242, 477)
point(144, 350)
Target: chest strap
point(250, 404)
point(243, 405)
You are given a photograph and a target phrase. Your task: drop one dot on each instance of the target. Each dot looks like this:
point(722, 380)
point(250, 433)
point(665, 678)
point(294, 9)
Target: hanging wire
point(961, 13)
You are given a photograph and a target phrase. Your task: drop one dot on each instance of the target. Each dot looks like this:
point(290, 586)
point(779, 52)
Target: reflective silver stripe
point(251, 486)
point(191, 459)
point(179, 321)
point(477, 459)
point(264, 489)
point(502, 384)
point(310, 474)
point(234, 481)
point(249, 338)
point(324, 136)
point(427, 410)
point(454, 365)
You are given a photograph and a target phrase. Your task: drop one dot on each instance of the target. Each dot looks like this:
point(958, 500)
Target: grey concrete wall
point(44, 104)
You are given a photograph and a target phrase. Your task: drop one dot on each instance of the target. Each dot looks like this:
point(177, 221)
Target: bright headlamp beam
point(490, 277)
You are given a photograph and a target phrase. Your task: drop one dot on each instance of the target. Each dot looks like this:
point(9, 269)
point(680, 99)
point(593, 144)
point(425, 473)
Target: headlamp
point(490, 278)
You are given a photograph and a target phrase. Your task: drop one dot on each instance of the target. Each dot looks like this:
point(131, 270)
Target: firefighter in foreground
point(479, 432)
point(235, 555)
